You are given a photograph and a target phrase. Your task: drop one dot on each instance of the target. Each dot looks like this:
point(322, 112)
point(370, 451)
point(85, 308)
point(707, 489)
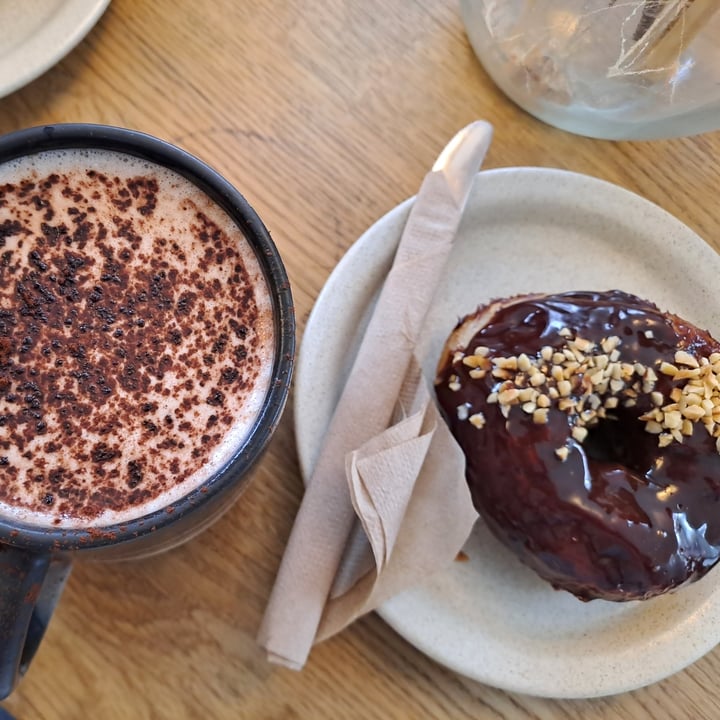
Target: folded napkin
point(387, 501)
point(413, 509)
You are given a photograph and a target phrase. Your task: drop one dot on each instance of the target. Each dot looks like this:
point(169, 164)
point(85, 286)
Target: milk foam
point(146, 388)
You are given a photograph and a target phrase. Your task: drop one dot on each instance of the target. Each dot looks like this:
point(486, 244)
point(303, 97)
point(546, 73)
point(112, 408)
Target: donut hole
point(617, 442)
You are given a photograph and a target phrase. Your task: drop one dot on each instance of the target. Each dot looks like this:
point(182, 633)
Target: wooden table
point(325, 114)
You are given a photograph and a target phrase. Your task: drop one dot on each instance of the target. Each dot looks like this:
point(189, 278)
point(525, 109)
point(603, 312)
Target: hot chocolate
point(136, 338)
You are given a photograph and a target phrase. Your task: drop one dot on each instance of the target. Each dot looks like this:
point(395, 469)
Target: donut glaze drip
point(620, 518)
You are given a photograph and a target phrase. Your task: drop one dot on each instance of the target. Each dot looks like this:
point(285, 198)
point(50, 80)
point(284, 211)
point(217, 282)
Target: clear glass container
point(614, 69)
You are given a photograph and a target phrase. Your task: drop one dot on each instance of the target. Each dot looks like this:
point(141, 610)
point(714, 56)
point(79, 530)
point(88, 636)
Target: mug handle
point(30, 587)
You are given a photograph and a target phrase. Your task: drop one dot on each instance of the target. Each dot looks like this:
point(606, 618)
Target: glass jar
point(614, 69)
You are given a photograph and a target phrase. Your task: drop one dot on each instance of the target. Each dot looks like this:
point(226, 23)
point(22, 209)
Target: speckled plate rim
point(525, 230)
point(62, 30)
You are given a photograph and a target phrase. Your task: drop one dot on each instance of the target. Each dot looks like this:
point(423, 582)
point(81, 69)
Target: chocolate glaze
point(621, 518)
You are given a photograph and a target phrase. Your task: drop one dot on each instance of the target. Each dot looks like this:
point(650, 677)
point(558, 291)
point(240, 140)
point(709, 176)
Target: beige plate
point(526, 230)
point(35, 34)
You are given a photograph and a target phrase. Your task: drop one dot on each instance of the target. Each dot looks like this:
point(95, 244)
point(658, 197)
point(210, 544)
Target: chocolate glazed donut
point(588, 420)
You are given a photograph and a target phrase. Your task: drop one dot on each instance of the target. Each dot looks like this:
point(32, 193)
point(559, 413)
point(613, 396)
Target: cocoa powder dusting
point(130, 326)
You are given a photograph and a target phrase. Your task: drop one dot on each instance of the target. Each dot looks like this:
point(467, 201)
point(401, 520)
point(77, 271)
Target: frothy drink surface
point(136, 338)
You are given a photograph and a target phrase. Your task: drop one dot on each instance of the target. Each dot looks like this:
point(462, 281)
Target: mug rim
point(236, 471)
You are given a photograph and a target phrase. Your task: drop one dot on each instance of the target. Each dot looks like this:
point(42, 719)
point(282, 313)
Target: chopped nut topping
point(523, 362)
point(664, 439)
point(478, 420)
point(566, 404)
point(475, 361)
point(581, 344)
point(672, 420)
point(685, 358)
point(693, 412)
point(501, 373)
point(509, 396)
point(616, 386)
point(562, 453)
point(588, 381)
point(507, 363)
point(579, 433)
point(610, 343)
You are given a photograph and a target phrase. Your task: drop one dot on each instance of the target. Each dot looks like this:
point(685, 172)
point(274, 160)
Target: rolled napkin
point(387, 501)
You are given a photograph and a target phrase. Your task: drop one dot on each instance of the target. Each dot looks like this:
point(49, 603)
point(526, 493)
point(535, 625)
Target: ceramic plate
point(35, 34)
point(526, 230)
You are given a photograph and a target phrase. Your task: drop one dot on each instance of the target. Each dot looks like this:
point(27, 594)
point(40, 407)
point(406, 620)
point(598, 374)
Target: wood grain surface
point(325, 114)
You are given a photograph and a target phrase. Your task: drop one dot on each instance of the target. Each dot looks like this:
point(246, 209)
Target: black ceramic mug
point(35, 558)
